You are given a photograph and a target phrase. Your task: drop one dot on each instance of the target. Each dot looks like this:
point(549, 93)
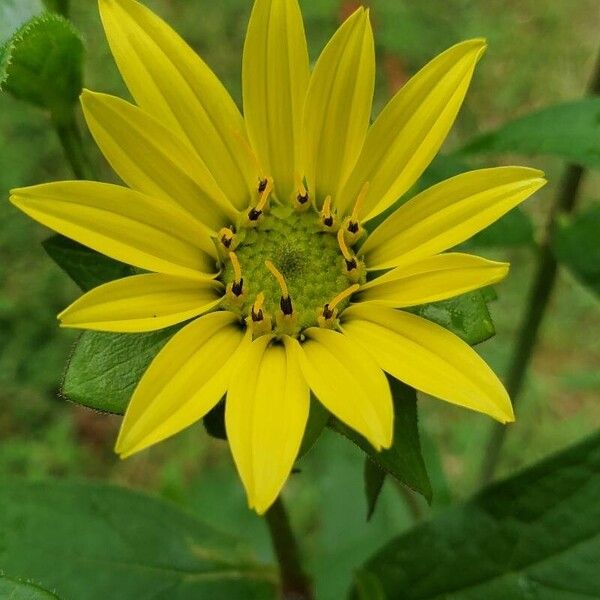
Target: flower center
point(288, 271)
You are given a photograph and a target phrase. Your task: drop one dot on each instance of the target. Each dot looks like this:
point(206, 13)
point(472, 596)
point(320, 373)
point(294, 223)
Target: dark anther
point(328, 221)
point(237, 287)
point(256, 317)
point(226, 241)
point(253, 214)
point(351, 264)
point(286, 305)
point(262, 186)
point(353, 226)
point(327, 312)
point(302, 198)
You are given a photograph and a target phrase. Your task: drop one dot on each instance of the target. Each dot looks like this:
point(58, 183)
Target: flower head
point(253, 232)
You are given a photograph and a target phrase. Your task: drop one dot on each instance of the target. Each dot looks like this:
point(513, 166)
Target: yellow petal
point(185, 380)
point(275, 78)
point(141, 303)
point(125, 225)
point(410, 130)
point(170, 81)
point(448, 213)
point(151, 159)
point(428, 358)
point(348, 383)
point(338, 106)
point(266, 412)
point(431, 279)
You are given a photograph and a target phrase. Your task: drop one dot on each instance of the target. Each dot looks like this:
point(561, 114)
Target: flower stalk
point(71, 141)
point(539, 298)
point(295, 584)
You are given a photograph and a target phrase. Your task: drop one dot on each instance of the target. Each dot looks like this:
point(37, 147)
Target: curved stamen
point(343, 295)
point(286, 301)
point(257, 311)
point(351, 263)
point(259, 321)
point(237, 286)
point(352, 224)
point(327, 218)
point(286, 318)
point(265, 190)
point(329, 313)
point(301, 193)
point(227, 238)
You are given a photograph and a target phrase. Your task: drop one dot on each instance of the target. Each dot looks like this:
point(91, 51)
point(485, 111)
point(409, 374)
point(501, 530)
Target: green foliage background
point(535, 58)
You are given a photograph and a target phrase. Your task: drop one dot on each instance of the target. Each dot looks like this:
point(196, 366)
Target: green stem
point(539, 297)
point(72, 143)
point(295, 584)
point(411, 501)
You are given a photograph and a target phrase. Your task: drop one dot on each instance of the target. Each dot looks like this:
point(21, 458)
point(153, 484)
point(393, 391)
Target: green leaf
point(442, 494)
point(535, 535)
point(576, 246)
point(94, 542)
point(489, 294)
point(214, 421)
point(367, 587)
point(467, 316)
point(374, 477)
point(403, 460)
point(13, 589)
point(104, 368)
point(85, 267)
point(570, 131)
point(4, 61)
point(42, 64)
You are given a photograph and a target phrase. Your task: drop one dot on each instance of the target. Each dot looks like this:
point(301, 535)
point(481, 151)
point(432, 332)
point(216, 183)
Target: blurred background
point(540, 53)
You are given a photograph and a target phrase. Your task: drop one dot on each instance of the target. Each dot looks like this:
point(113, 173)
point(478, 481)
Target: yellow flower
point(258, 221)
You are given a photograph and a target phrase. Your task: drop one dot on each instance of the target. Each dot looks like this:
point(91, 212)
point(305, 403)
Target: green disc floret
point(309, 259)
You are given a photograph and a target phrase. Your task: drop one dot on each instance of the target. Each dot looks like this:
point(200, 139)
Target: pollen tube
point(329, 313)
point(285, 302)
point(327, 218)
point(287, 319)
point(301, 202)
point(352, 225)
point(227, 238)
point(354, 269)
point(236, 288)
point(351, 263)
point(257, 312)
point(259, 321)
point(265, 190)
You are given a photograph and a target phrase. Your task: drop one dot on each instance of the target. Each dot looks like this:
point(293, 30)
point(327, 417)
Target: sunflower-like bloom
point(257, 223)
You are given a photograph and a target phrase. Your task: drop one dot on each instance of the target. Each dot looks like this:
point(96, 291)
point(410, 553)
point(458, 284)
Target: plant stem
point(411, 501)
point(295, 584)
point(71, 141)
point(539, 297)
